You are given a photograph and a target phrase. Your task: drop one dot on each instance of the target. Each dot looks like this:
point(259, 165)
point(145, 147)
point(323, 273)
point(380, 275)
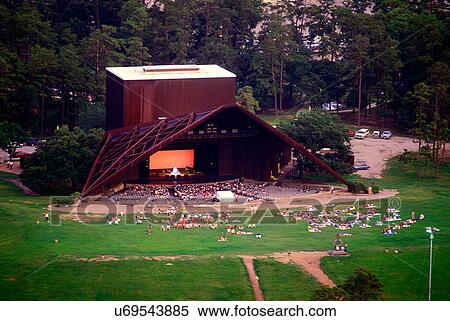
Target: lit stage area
point(198, 164)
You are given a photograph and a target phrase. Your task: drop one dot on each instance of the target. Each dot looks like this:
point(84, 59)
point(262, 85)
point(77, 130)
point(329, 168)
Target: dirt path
point(248, 262)
point(21, 186)
point(308, 261)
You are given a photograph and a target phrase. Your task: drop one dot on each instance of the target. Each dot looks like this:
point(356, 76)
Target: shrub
point(358, 187)
point(63, 200)
point(363, 285)
point(375, 188)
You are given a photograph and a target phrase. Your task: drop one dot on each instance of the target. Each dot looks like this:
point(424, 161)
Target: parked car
point(387, 134)
point(332, 106)
point(376, 134)
point(18, 145)
point(351, 133)
point(362, 133)
point(360, 166)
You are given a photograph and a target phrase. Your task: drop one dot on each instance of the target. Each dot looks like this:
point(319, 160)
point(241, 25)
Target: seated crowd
point(139, 192)
point(347, 218)
point(201, 193)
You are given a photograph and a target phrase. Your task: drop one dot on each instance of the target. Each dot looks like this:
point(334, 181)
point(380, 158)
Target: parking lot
point(376, 152)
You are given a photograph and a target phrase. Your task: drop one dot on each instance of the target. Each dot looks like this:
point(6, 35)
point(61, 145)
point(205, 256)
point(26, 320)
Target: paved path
point(95, 207)
point(248, 262)
point(21, 186)
point(16, 168)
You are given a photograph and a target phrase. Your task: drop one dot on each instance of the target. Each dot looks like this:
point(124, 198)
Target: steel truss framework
point(125, 147)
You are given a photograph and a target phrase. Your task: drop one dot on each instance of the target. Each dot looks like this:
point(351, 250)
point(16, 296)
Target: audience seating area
point(204, 193)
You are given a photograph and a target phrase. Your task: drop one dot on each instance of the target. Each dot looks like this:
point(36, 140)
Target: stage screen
point(172, 158)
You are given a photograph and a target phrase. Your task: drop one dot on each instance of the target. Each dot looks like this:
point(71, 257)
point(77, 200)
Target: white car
point(376, 134)
point(362, 133)
point(332, 106)
point(387, 134)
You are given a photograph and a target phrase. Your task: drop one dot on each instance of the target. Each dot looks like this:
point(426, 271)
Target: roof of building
point(124, 147)
point(170, 72)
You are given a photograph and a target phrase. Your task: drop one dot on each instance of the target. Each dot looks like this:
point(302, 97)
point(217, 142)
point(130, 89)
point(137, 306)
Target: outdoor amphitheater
point(196, 198)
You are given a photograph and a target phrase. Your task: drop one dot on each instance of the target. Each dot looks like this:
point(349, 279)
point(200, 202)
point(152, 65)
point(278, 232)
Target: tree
point(317, 129)
point(422, 95)
point(275, 44)
point(359, 6)
point(245, 99)
point(384, 64)
point(29, 29)
point(363, 285)
point(61, 164)
point(136, 54)
point(70, 78)
point(322, 28)
point(177, 28)
point(11, 136)
point(43, 67)
point(101, 49)
point(358, 56)
point(325, 293)
point(133, 15)
point(440, 84)
point(291, 52)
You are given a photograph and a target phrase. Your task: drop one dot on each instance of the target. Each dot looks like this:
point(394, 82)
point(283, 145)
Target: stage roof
point(170, 72)
point(125, 147)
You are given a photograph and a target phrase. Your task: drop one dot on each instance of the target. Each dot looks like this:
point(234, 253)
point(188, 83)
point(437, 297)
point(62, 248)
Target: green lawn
point(69, 279)
point(32, 266)
point(280, 281)
point(405, 275)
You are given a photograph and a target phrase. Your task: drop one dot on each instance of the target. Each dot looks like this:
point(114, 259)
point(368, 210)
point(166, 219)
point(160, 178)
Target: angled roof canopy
point(125, 147)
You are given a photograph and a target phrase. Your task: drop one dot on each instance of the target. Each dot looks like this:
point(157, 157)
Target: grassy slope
point(26, 247)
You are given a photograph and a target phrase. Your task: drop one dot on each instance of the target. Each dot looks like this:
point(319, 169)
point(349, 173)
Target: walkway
point(248, 262)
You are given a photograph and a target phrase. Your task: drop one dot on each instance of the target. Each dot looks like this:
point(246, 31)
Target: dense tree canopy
point(61, 164)
point(293, 53)
point(11, 137)
point(317, 130)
